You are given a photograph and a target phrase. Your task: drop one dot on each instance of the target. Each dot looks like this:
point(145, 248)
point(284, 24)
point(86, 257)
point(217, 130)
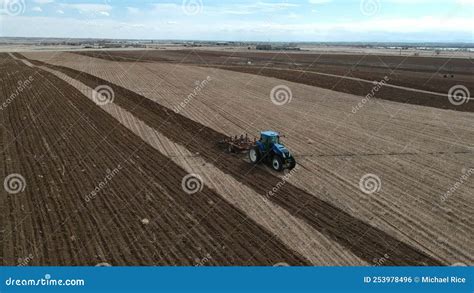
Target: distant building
point(264, 47)
point(113, 45)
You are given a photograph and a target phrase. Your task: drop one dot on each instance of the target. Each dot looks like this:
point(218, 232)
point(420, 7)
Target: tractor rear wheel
point(277, 163)
point(254, 155)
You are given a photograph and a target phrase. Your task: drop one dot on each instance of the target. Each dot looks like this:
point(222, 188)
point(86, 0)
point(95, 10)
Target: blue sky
point(242, 20)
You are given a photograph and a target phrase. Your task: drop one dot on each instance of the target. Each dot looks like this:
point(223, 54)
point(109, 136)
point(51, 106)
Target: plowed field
point(135, 150)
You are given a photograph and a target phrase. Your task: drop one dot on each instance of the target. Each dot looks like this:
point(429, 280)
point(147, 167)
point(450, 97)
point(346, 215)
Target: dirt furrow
point(110, 226)
point(328, 71)
point(363, 239)
point(301, 237)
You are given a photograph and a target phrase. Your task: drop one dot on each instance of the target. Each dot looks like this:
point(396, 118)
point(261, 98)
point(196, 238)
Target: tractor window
point(270, 139)
point(275, 139)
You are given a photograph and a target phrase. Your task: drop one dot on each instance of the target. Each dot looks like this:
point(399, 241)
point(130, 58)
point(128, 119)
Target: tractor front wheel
point(277, 163)
point(292, 164)
point(254, 155)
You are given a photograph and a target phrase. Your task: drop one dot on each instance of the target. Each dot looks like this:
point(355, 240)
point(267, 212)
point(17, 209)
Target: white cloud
point(255, 8)
point(294, 15)
point(409, 1)
point(396, 25)
point(37, 9)
point(133, 10)
point(43, 1)
point(165, 6)
point(166, 9)
point(88, 7)
point(273, 5)
point(383, 29)
point(319, 1)
point(60, 11)
point(438, 2)
point(237, 9)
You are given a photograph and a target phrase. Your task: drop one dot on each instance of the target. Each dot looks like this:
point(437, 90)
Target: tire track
point(324, 217)
point(270, 216)
point(66, 230)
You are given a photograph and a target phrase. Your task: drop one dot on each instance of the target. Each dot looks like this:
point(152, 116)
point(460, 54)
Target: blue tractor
point(269, 149)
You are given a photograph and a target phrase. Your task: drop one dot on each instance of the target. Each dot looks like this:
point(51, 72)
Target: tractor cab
point(269, 149)
point(269, 138)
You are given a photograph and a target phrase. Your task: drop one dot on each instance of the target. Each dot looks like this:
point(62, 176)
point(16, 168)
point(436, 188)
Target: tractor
point(268, 149)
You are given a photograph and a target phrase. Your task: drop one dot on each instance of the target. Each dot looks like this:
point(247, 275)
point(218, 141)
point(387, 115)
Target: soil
point(331, 220)
point(424, 73)
point(64, 146)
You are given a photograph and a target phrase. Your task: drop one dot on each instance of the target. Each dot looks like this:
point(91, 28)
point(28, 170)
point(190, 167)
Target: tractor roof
point(269, 133)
